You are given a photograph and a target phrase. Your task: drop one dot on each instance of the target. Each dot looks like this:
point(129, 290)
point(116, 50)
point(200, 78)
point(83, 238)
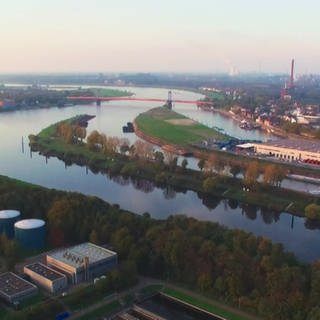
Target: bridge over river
point(169, 101)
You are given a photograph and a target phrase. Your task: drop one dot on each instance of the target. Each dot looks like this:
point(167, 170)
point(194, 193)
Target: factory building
point(7, 220)
point(13, 289)
point(83, 262)
point(30, 233)
point(46, 278)
point(291, 150)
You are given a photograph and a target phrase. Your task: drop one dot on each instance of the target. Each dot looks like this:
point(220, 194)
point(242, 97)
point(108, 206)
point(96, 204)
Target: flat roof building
point(14, 289)
point(290, 149)
point(83, 262)
point(46, 277)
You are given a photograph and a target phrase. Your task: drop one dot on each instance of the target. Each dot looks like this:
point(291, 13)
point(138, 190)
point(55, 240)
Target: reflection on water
point(139, 196)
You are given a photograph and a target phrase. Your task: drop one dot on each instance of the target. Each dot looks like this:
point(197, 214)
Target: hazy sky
point(162, 35)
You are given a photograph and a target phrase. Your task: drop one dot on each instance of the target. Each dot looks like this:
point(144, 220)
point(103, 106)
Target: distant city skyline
point(166, 36)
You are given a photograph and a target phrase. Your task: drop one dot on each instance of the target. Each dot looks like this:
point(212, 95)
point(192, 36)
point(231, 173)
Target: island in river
point(140, 161)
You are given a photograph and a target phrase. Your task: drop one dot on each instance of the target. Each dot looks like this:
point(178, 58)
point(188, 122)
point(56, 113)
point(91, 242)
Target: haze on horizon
point(163, 36)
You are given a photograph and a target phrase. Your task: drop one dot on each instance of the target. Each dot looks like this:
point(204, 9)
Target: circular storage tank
point(30, 233)
point(7, 220)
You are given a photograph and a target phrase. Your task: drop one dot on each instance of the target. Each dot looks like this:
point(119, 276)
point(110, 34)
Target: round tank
point(30, 233)
point(7, 220)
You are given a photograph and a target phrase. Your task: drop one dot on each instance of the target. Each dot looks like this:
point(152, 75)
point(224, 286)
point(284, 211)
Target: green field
point(174, 128)
point(109, 92)
point(203, 305)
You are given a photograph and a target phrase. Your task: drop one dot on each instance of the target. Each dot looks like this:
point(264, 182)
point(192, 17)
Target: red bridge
point(99, 99)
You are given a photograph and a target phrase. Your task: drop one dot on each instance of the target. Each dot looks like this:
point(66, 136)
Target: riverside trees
point(230, 265)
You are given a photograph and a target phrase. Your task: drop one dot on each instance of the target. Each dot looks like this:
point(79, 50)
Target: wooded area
point(231, 265)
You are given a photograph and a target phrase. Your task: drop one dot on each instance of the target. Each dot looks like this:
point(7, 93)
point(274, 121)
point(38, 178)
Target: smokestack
point(292, 74)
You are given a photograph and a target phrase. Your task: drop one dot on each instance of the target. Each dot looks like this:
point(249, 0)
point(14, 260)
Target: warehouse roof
point(11, 284)
point(45, 271)
point(75, 256)
point(298, 144)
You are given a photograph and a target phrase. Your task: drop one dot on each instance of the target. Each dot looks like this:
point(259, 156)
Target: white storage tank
point(7, 220)
point(30, 233)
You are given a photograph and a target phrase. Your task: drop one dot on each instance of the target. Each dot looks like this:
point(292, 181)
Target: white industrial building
point(45, 277)
point(290, 149)
point(13, 288)
point(82, 262)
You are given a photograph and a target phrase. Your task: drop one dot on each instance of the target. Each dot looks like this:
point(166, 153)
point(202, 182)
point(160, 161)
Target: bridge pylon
point(169, 101)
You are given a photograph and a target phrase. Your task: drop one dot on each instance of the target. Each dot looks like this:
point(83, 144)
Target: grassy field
point(229, 315)
point(151, 289)
point(108, 92)
point(174, 128)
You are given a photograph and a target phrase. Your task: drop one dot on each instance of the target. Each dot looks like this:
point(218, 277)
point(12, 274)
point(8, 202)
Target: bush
point(209, 184)
point(312, 211)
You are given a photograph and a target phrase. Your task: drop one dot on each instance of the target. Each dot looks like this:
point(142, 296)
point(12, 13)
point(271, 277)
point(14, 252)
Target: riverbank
point(163, 175)
point(150, 128)
point(29, 98)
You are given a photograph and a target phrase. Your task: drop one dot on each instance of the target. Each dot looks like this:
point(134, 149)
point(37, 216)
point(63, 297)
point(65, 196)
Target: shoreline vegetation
point(116, 157)
point(152, 134)
point(15, 99)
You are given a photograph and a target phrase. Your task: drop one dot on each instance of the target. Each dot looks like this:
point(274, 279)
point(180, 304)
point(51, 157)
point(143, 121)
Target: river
point(141, 196)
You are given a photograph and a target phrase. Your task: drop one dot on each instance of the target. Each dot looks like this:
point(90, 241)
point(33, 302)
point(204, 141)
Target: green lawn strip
point(202, 305)
point(3, 313)
point(18, 183)
point(109, 92)
point(156, 123)
point(151, 289)
point(102, 311)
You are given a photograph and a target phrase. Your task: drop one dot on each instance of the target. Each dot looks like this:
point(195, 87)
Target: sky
point(159, 36)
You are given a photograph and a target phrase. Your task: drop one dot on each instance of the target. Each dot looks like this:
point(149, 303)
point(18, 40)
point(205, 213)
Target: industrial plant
point(7, 220)
point(30, 233)
point(83, 262)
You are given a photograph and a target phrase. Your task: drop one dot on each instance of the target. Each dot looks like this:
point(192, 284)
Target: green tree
point(201, 164)
point(93, 237)
point(235, 170)
point(312, 211)
point(252, 173)
point(273, 175)
point(208, 184)
point(184, 164)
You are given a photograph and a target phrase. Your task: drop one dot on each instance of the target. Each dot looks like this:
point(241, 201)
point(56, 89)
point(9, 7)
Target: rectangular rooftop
point(75, 256)
point(298, 144)
point(11, 285)
point(45, 271)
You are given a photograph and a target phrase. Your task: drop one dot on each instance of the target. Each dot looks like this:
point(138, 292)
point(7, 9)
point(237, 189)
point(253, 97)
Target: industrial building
point(7, 220)
point(30, 233)
point(45, 277)
point(13, 289)
point(291, 150)
point(83, 262)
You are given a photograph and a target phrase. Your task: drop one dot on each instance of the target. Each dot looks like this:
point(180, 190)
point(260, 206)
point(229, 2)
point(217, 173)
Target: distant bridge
point(99, 99)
